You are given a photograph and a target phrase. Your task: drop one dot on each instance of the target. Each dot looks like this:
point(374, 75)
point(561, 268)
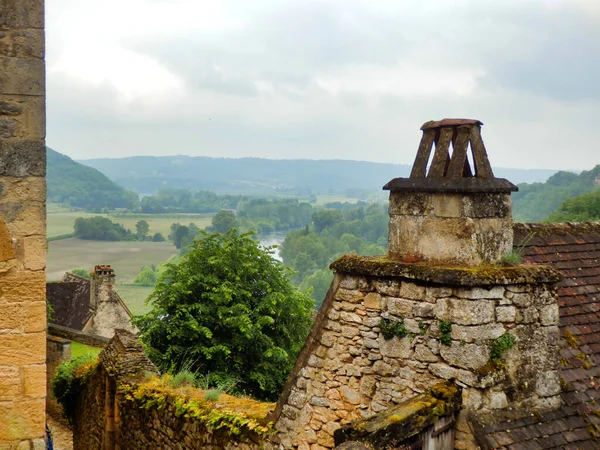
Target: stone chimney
point(450, 212)
point(102, 286)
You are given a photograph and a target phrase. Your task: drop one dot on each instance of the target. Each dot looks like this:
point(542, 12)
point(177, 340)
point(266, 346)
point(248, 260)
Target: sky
point(323, 79)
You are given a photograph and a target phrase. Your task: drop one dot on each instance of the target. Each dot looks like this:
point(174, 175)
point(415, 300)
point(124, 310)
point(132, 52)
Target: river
point(275, 238)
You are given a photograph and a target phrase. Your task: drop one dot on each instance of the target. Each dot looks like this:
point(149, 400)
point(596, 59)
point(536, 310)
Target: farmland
point(60, 220)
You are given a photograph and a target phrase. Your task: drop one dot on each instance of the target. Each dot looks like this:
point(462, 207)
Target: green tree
point(82, 273)
point(146, 277)
point(158, 237)
point(223, 221)
point(228, 308)
point(142, 229)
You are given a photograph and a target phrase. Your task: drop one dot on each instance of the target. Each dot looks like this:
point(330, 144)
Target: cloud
point(322, 79)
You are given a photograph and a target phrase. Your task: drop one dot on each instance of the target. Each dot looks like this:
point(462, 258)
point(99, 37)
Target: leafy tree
point(142, 229)
point(158, 237)
point(583, 208)
point(228, 308)
point(223, 221)
point(146, 277)
point(82, 273)
point(101, 229)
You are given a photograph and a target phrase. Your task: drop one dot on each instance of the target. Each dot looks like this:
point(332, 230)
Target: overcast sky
point(329, 79)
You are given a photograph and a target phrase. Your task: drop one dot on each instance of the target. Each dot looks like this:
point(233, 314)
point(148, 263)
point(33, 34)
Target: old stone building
point(22, 225)
point(89, 305)
point(444, 307)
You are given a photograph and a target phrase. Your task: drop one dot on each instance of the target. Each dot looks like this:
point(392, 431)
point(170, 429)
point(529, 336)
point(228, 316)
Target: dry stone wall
point(443, 332)
point(22, 225)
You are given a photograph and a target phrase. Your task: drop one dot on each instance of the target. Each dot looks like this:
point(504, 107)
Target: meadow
point(59, 220)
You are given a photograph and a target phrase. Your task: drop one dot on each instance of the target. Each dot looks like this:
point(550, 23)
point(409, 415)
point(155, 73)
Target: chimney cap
point(451, 172)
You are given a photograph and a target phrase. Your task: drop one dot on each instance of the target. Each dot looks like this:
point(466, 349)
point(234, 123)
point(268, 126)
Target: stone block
point(467, 356)
point(477, 333)
point(410, 203)
point(423, 310)
point(22, 76)
point(522, 300)
point(400, 307)
point(465, 312)
point(12, 315)
point(19, 286)
point(27, 191)
point(21, 14)
point(22, 349)
point(472, 399)
point(412, 291)
point(442, 370)
point(350, 317)
point(22, 158)
point(549, 315)
point(35, 252)
point(23, 43)
point(476, 293)
point(387, 287)
point(348, 295)
point(382, 368)
point(372, 301)
point(507, 314)
point(34, 380)
point(22, 419)
point(447, 205)
point(10, 383)
point(527, 315)
point(496, 400)
point(437, 292)
point(423, 353)
point(548, 383)
point(349, 395)
point(395, 347)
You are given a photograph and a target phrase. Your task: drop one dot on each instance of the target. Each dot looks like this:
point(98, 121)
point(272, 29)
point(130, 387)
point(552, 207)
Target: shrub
point(70, 377)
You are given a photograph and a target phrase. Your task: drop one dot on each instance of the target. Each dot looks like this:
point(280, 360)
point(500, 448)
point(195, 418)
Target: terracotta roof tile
point(574, 249)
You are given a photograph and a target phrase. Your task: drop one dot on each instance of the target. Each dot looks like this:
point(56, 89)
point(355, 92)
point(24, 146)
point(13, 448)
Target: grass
point(78, 349)
point(59, 220)
point(135, 297)
point(126, 258)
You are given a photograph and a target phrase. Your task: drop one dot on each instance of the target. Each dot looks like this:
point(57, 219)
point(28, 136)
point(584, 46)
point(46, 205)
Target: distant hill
point(535, 202)
point(80, 186)
point(146, 174)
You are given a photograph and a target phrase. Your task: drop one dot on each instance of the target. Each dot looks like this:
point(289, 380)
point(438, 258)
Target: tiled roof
point(574, 249)
point(70, 300)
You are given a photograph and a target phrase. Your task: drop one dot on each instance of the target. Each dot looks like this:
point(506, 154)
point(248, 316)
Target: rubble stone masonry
point(22, 225)
point(447, 321)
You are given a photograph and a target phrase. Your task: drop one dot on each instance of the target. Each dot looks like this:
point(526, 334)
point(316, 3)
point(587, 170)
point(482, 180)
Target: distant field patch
point(324, 199)
point(126, 258)
point(135, 298)
point(59, 220)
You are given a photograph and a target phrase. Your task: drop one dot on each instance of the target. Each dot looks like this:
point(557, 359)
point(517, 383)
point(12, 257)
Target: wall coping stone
point(394, 425)
point(488, 275)
point(77, 336)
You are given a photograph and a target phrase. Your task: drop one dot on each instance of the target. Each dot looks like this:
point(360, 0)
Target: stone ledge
point(380, 266)
point(394, 425)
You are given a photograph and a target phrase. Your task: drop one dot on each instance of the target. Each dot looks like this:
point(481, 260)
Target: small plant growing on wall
point(390, 328)
point(500, 345)
point(445, 332)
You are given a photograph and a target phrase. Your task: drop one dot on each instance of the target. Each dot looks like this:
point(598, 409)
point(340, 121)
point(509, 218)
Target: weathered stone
point(372, 301)
point(371, 343)
point(444, 371)
point(465, 312)
point(352, 296)
point(549, 315)
point(423, 310)
point(412, 291)
point(527, 315)
point(400, 307)
point(350, 332)
point(468, 356)
point(548, 383)
point(349, 395)
point(387, 287)
point(22, 158)
point(477, 293)
point(21, 76)
point(506, 314)
point(477, 333)
point(422, 353)
point(395, 347)
point(350, 317)
point(496, 400)
point(381, 368)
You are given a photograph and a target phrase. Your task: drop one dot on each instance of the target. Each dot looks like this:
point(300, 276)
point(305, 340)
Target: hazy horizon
point(323, 79)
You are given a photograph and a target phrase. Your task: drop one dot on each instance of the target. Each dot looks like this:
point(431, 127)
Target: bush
point(70, 377)
point(229, 307)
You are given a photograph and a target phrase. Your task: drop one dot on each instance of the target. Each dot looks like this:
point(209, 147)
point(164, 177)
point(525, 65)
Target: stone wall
point(22, 225)
point(354, 372)
point(58, 350)
point(125, 405)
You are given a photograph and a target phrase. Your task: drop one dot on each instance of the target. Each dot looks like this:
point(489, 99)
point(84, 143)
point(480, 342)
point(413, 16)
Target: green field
point(135, 297)
point(59, 220)
point(126, 258)
point(78, 349)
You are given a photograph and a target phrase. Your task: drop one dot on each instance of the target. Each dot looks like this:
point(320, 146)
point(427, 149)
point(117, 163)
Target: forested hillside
point(256, 176)
point(535, 202)
point(583, 208)
point(80, 186)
